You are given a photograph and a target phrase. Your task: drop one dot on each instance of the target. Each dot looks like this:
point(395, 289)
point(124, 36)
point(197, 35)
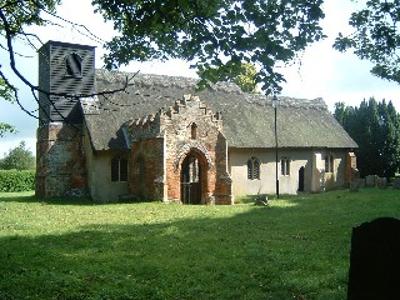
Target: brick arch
point(189, 147)
point(198, 189)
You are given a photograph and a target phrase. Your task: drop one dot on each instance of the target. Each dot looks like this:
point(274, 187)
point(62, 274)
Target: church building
point(163, 139)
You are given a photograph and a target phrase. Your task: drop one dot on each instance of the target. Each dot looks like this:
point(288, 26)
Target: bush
point(17, 181)
point(19, 158)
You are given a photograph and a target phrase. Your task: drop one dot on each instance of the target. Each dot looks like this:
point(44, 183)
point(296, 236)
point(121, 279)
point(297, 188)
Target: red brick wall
point(223, 187)
point(209, 146)
point(174, 170)
point(177, 126)
point(149, 185)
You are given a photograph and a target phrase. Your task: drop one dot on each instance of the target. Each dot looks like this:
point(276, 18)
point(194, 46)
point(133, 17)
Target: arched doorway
point(193, 178)
point(301, 180)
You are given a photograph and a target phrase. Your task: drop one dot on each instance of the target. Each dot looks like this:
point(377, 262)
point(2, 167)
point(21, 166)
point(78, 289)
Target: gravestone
point(375, 260)
point(381, 182)
point(396, 183)
point(370, 180)
point(355, 185)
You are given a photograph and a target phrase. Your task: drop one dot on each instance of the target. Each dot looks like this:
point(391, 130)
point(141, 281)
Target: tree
point(246, 80)
point(18, 158)
point(376, 37)
point(341, 113)
point(216, 35)
point(244, 76)
point(390, 138)
point(6, 95)
point(4, 128)
point(376, 129)
point(15, 16)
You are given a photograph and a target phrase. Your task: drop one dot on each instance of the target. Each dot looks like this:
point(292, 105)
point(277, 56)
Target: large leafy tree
point(217, 36)
point(19, 158)
point(376, 37)
point(376, 129)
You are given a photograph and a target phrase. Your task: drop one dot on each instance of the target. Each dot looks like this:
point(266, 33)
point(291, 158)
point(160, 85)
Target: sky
point(320, 72)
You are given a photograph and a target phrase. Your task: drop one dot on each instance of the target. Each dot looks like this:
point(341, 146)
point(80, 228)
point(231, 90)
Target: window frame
point(285, 166)
point(329, 163)
point(253, 168)
point(119, 169)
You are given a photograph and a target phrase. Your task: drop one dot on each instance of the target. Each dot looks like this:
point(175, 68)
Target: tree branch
point(9, 35)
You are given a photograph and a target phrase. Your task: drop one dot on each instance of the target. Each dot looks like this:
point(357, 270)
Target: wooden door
point(191, 181)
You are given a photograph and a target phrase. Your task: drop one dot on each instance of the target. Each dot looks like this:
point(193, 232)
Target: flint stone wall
point(60, 161)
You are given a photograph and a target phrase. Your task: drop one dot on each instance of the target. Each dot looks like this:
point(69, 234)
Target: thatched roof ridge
point(248, 118)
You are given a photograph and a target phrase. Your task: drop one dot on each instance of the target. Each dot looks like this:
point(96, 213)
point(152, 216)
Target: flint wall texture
point(61, 164)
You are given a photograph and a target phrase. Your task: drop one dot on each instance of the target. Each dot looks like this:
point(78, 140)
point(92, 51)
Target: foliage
point(18, 158)
point(17, 181)
point(15, 16)
point(244, 76)
point(21, 13)
point(246, 80)
point(294, 249)
point(216, 36)
point(376, 37)
point(376, 129)
point(4, 128)
point(5, 94)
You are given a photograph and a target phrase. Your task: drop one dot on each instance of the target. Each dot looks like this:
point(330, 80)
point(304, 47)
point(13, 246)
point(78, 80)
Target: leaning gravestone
point(375, 260)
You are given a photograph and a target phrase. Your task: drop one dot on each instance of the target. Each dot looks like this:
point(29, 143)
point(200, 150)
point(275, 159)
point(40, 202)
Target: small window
point(123, 169)
point(253, 168)
point(285, 166)
point(119, 169)
point(329, 163)
point(73, 65)
point(193, 131)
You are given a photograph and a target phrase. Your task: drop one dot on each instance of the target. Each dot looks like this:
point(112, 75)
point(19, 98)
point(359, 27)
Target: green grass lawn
point(296, 249)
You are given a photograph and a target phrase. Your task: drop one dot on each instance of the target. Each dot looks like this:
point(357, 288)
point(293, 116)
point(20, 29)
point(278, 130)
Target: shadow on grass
point(188, 259)
point(31, 198)
point(296, 249)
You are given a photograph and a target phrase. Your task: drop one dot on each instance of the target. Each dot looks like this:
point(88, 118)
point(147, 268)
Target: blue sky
point(320, 72)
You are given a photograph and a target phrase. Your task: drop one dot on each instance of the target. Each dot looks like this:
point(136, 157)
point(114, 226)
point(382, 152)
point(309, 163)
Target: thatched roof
point(248, 120)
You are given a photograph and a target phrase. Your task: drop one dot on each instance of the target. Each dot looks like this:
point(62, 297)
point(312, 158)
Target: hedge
point(17, 181)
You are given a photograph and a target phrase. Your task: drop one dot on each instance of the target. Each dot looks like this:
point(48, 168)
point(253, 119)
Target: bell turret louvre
point(64, 69)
